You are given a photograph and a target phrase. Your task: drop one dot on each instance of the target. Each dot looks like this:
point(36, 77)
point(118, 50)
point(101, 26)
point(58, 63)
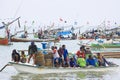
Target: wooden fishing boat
point(4, 41)
point(35, 40)
point(105, 45)
point(26, 68)
point(86, 38)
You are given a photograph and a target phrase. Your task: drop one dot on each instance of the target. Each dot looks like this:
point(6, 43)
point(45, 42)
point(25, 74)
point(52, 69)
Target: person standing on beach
point(32, 50)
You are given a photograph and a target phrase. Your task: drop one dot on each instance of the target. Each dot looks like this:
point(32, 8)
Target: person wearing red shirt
point(81, 52)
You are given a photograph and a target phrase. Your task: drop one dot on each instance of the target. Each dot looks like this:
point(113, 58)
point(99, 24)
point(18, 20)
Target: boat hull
point(25, 68)
point(4, 41)
point(105, 46)
point(29, 40)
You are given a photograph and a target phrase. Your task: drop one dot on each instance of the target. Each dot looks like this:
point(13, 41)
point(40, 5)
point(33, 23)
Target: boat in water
point(4, 41)
point(35, 40)
point(27, 68)
point(112, 45)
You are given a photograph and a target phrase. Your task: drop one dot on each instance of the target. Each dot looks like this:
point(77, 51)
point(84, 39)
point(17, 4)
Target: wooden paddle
point(4, 67)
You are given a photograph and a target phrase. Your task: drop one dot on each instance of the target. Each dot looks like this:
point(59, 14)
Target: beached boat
point(26, 68)
point(35, 40)
point(4, 41)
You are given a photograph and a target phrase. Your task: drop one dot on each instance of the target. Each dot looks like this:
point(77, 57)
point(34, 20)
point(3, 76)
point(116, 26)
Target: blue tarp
point(64, 33)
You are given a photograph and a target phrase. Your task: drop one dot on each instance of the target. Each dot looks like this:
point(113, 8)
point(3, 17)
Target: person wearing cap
point(87, 52)
point(32, 50)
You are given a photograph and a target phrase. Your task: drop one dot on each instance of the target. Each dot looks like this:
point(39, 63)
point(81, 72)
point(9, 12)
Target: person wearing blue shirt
point(65, 55)
point(90, 61)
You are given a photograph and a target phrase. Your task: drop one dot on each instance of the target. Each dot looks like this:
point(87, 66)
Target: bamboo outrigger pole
point(4, 67)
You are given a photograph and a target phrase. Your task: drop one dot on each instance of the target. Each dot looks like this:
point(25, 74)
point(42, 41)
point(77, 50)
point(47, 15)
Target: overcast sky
point(49, 11)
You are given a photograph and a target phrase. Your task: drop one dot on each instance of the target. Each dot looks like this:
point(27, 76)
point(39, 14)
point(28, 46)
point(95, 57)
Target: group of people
point(86, 58)
point(82, 58)
point(16, 57)
point(32, 50)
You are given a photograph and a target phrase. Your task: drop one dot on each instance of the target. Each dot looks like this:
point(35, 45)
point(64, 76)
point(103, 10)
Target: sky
point(46, 12)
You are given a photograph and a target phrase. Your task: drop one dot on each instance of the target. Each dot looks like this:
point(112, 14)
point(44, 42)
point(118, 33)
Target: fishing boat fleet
point(97, 40)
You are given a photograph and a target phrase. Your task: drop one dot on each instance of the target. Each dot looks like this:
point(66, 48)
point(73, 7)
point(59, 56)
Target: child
point(23, 57)
point(72, 62)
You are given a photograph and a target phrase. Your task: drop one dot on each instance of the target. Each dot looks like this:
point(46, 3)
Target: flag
point(88, 22)
point(75, 23)
point(61, 19)
point(65, 21)
point(52, 24)
point(41, 31)
point(33, 22)
point(25, 22)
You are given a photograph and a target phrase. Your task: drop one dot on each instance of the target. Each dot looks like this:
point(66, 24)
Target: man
point(32, 50)
point(90, 61)
point(101, 60)
point(65, 55)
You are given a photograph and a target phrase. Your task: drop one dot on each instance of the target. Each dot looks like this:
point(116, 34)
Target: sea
point(10, 73)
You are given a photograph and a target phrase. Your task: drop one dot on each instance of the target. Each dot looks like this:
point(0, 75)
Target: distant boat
point(27, 68)
point(105, 45)
point(4, 41)
point(35, 40)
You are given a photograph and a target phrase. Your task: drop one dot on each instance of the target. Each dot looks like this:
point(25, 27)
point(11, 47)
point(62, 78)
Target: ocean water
point(10, 73)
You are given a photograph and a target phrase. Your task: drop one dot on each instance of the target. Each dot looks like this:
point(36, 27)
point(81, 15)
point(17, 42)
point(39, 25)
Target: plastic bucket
point(44, 45)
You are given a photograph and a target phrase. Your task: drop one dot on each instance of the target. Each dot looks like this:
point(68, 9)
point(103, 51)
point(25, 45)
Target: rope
point(18, 8)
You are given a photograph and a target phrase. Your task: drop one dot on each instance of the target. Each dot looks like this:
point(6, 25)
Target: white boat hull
point(24, 68)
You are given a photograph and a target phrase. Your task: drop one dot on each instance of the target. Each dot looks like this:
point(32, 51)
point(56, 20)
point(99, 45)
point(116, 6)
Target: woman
point(15, 56)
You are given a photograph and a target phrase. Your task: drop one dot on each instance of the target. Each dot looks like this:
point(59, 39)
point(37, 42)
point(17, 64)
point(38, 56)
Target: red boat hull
point(3, 41)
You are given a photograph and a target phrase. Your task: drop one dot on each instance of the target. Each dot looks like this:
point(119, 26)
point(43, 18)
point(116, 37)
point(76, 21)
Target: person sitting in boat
point(56, 57)
point(25, 35)
point(60, 52)
point(101, 60)
point(87, 52)
point(72, 62)
point(96, 60)
point(32, 50)
point(15, 56)
point(23, 57)
point(90, 61)
point(65, 55)
point(81, 61)
point(81, 52)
